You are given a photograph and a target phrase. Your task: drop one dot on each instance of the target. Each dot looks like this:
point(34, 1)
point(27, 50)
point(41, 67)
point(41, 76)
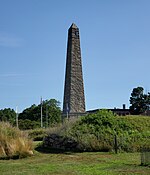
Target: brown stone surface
point(74, 100)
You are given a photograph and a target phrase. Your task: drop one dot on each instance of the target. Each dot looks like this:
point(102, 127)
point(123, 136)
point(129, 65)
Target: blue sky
point(115, 46)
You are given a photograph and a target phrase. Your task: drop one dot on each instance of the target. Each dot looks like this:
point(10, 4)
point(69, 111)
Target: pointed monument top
point(74, 26)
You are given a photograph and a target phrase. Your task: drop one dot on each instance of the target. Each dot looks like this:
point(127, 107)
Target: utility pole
point(46, 116)
point(41, 113)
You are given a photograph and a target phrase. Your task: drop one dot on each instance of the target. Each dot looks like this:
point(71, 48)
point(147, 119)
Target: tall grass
point(62, 129)
point(13, 142)
point(37, 134)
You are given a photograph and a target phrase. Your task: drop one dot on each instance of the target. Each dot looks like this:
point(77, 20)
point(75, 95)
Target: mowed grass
point(75, 164)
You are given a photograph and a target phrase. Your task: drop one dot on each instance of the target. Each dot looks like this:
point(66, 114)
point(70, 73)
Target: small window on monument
point(77, 33)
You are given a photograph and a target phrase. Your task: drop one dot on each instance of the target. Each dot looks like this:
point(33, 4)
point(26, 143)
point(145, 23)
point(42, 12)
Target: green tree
point(8, 115)
point(139, 101)
point(51, 114)
point(51, 111)
point(28, 124)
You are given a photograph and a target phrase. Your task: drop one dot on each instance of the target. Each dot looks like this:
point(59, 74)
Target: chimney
point(124, 106)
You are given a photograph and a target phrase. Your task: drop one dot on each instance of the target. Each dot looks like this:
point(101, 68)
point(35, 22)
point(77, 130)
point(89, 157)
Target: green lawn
point(75, 164)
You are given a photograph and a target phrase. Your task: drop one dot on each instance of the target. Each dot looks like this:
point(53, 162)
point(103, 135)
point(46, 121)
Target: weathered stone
point(74, 100)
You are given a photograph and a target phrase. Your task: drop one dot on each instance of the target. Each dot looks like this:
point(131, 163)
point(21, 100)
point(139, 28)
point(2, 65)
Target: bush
point(28, 124)
point(37, 134)
point(13, 142)
point(95, 132)
point(104, 131)
point(111, 132)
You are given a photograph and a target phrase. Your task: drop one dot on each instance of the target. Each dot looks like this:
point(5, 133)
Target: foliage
point(103, 131)
point(28, 124)
point(37, 134)
point(8, 115)
point(95, 132)
point(139, 101)
point(62, 128)
point(30, 117)
point(13, 142)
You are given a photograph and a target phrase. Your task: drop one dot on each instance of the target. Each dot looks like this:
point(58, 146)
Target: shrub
point(62, 129)
point(104, 131)
point(13, 142)
point(112, 132)
point(37, 134)
point(28, 124)
point(95, 132)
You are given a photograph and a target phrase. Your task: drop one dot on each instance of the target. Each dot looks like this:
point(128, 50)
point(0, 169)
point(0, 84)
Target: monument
point(74, 99)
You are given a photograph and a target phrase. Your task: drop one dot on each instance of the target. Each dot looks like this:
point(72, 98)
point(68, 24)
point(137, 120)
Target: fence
point(145, 157)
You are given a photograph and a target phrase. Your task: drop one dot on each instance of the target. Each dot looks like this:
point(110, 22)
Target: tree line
point(30, 118)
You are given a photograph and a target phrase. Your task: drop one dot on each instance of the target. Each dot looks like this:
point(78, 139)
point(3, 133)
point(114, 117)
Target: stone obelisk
point(74, 100)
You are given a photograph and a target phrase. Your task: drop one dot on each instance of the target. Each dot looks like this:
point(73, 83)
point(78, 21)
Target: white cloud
point(7, 40)
point(10, 75)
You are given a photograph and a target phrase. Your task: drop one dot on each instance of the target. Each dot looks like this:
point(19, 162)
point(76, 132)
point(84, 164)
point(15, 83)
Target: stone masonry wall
point(74, 100)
